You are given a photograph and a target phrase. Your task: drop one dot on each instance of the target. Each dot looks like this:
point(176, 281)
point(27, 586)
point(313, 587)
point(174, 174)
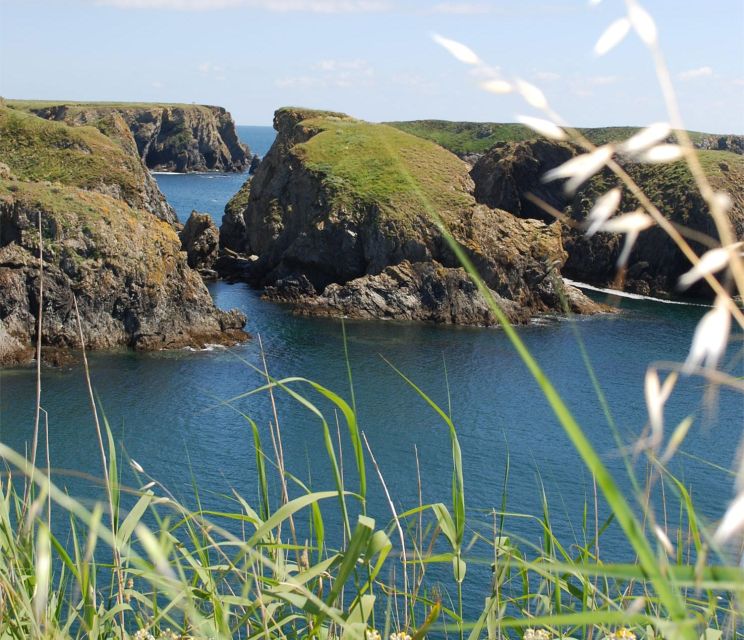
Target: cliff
point(337, 201)
point(472, 139)
point(83, 157)
point(102, 244)
point(168, 137)
point(509, 171)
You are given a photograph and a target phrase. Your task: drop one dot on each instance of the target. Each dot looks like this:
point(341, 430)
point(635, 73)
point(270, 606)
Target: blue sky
point(374, 59)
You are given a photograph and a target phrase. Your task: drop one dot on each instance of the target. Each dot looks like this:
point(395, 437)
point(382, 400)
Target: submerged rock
point(337, 202)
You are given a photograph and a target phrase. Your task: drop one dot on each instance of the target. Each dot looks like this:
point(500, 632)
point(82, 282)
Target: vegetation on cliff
point(104, 254)
point(465, 138)
point(168, 137)
point(510, 175)
point(40, 150)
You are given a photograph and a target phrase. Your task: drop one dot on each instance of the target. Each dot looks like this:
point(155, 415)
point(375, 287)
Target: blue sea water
point(209, 192)
point(168, 409)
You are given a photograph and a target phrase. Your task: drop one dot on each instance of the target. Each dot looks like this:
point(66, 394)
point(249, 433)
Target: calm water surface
point(168, 408)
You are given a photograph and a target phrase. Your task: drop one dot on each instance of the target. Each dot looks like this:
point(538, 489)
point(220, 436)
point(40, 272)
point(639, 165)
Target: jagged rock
point(338, 199)
point(255, 162)
point(509, 171)
point(122, 264)
point(200, 240)
point(131, 281)
point(168, 137)
point(420, 291)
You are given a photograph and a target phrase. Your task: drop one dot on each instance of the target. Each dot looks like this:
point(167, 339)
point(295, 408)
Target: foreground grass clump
point(139, 564)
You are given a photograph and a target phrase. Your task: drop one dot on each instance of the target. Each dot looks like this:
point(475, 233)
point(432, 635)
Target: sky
point(376, 59)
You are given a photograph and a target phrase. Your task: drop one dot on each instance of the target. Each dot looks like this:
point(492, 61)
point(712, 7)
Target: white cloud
point(691, 74)
point(331, 73)
point(462, 8)
point(343, 65)
point(307, 6)
point(547, 76)
point(598, 81)
point(211, 70)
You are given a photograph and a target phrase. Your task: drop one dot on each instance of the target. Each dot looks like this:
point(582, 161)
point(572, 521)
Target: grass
point(41, 150)
point(361, 162)
point(240, 572)
point(477, 137)
point(32, 105)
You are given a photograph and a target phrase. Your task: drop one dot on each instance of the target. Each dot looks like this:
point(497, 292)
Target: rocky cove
point(342, 218)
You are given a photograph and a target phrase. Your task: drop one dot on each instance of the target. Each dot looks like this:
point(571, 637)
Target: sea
point(184, 416)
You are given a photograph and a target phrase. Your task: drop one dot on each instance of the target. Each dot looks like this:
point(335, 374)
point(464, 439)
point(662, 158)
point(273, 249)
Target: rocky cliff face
point(123, 264)
point(337, 202)
point(200, 240)
point(509, 171)
point(181, 138)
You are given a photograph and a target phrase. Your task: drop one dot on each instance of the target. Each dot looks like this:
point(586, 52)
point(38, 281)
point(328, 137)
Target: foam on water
point(632, 296)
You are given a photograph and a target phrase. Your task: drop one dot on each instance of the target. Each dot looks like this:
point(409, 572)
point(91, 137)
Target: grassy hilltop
point(37, 149)
point(171, 137)
point(476, 137)
point(381, 165)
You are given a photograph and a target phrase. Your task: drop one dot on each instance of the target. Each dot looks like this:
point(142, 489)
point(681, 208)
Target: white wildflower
point(711, 337)
point(631, 224)
point(537, 634)
point(612, 36)
point(662, 153)
point(532, 94)
point(651, 135)
point(603, 208)
point(710, 262)
point(497, 86)
point(372, 634)
point(722, 200)
point(663, 538)
point(622, 634)
point(543, 127)
point(400, 636)
point(461, 52)
point(580, 168)
point(733, 521)
point(655, 405)
point(642, 22)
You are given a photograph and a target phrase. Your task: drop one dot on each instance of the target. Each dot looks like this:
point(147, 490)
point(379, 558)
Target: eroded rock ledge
point(343, 218)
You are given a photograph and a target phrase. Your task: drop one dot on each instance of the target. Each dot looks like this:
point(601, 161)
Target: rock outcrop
point(122, 265)
point(168, 137)
point(510, 171)
point(340, 210)
point(200, 239)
